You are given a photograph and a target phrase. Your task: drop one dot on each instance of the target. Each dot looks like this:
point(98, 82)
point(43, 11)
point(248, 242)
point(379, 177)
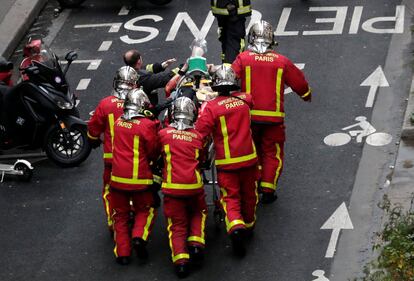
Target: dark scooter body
point(40, 113)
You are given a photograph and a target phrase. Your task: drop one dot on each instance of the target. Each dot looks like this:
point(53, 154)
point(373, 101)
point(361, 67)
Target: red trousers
point(143, 221)
point(239, 197)
point(269, 141)
point(186, 218)
point(106, 195)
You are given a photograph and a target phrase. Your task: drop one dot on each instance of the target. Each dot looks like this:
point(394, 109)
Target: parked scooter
point(21, 169)
point(40, 112)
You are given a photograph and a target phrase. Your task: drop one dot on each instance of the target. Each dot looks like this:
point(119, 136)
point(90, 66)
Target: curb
point(16, 23)
point(408, 127)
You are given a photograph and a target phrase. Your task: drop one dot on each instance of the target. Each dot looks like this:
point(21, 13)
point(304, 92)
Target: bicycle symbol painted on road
point(373, 137)
point(320, 274)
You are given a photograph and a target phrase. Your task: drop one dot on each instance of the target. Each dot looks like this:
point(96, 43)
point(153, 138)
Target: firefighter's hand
point(95, 143)
point(308, 98)
point(168, 62)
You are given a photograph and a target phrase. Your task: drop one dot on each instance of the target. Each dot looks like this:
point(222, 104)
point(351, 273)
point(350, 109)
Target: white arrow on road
point(339, 220)
point(375, 80)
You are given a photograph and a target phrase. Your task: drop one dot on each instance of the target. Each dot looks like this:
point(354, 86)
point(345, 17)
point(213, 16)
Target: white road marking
point(105, 46)
point(320, 274)
point(374, 80)
point(339, 220)
point(83, 84)
point(124, 11)
point(93, 64)
point(114, 26)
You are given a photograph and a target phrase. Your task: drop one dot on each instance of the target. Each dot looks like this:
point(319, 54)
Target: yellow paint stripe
point(148, 224)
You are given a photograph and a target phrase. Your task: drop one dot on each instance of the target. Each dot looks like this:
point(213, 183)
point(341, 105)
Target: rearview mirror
point(71, 56)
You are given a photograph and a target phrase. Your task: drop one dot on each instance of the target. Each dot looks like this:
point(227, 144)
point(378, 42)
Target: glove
point(95, 143)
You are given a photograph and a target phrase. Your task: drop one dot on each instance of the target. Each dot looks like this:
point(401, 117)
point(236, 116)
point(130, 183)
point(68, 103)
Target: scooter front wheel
point(67, 148)
point(27, 173)
point(337, 139)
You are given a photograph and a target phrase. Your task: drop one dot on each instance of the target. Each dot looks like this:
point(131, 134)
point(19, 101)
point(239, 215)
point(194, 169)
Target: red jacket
point(106, 113)
point(264, 76)
point(227, 118)
point(135, 147)
point(181, 153)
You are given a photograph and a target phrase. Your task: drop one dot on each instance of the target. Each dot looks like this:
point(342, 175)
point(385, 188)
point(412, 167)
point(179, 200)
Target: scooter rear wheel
point(67, 150)
point(27, 172)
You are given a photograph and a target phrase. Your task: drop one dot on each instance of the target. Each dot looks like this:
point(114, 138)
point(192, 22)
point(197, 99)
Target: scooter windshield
point(45, 57)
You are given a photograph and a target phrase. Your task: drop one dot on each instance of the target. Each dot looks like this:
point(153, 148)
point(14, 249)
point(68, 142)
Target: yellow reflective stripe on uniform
point(236, 159)
point(196, 239)
point(92, 137)
point(169, 237)
point(267, 185)
point(131, 181)
point(244, 10)
point(135, 166)
point(248, 80)
point(111, 121)
point(115, 248)
point(107, 155)
point(203, 224)
point(150, 68)
point(106, 202)
point(182, 185)
point(220, 11)
point(240, 3)
point(267, 113)
point(251, 224)
point(279, 158)
point(148, 224)
point(168, 159)
point(157, 179)
point(233, 223)
point(225, 136)
point(307, 93)
point(180, 257)
point(278, 88)
point(242, 45)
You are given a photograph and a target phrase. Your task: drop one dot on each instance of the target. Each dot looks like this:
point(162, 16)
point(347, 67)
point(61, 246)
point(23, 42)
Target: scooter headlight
point(62, 103)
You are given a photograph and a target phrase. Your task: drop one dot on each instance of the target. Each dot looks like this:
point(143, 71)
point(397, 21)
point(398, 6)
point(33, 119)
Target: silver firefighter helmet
point(184, 113)
point(224, 79)
point(261, 37)
point(126, 79)
point(136, 102)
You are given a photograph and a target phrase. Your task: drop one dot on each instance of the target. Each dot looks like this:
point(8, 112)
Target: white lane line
point(92, 64)
point(83, 84)
point(105, 46)
point(124, 11)
point(114, 26)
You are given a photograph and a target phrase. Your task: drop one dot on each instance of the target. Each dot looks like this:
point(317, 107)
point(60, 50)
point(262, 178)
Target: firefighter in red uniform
point(264, 74)
point(135, 147)
point(184, 199)
point(227, 118)
point(102, 122)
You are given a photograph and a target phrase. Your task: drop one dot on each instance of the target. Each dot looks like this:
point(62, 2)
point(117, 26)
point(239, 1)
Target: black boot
point(268, 197)
point(238, 239)
point(123, 260)
point(196, 254)
point(182, 270)
point(140, 248)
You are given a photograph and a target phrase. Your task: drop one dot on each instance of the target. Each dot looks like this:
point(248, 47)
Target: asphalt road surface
point(53, 228)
